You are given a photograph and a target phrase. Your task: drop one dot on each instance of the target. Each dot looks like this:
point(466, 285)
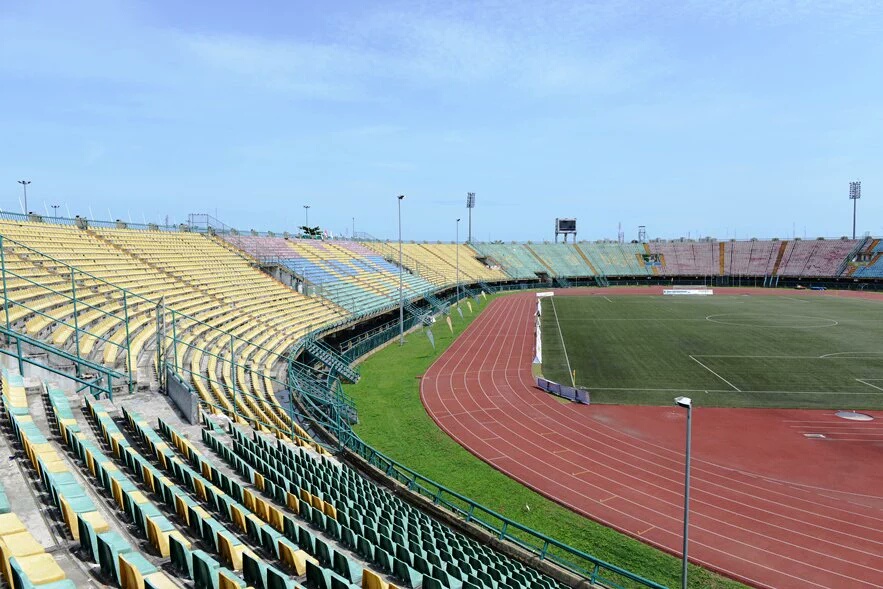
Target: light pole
point(687, 404)
point(354, 228)
point(458, 262)
point(24, 187)
point(401, 197)
point(306, 215)
point(855, 193)
point(55, 210)
point(470, 204)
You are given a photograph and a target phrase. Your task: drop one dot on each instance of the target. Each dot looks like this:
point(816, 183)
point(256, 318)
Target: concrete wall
point(183, 397)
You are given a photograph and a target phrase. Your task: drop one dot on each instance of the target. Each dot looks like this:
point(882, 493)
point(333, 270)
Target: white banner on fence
point(688, 291)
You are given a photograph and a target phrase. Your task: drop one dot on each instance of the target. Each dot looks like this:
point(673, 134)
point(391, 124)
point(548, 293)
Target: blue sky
point(703, 117)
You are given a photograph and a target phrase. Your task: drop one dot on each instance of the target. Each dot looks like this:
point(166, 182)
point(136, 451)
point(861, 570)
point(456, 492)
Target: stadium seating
point(398, 539)
point(437, 262)
point(562, 259)
point(353, 276)
point(118, 559)
point(690, 258)
point(816, 258)
point(616, 259)
point(514, 259)
point(229, 303)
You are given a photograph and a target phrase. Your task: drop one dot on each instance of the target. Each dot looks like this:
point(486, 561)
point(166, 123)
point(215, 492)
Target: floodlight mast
point(855, 193)
point(470, 204)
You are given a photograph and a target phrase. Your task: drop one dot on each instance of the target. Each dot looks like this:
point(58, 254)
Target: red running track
point(769, 506)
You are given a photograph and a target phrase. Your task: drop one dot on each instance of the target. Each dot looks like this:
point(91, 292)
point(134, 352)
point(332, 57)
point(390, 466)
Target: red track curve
point(769, 506)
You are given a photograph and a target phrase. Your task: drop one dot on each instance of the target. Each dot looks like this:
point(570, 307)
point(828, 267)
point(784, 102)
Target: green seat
point(254, 571)
point(110, 546)
point(347, 568)
point(181, 557)
point(205, 570)
point(406, 574)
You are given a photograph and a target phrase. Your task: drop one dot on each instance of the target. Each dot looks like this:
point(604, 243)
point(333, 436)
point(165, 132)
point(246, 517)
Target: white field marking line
point(873, 386)
point(715, 547)
point(638, 390)
point(737, 389)
point(834, 356)
point(608, 299)
point(715, 533)
point(793, 299)
point(561, 335)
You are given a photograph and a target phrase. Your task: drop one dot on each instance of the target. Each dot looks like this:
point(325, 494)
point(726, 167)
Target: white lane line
point(737, 389)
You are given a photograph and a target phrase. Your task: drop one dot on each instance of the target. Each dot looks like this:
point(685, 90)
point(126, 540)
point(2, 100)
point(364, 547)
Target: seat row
point(24, 561)
point(273, 531)
point(123, 565)
point(381, 527)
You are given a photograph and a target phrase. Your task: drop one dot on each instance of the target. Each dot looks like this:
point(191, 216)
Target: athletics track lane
point(766, 512)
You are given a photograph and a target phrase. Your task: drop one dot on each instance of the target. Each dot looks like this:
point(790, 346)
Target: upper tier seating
point(229, 302)
point(513, 258)
point(438, 262)
point(815, 257)
point(700, 258)
point(562, 259)
point(354, 277)
point(616, 259)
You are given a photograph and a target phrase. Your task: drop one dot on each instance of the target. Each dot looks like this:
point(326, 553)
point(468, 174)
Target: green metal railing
point(321, 404)
point(176, 333)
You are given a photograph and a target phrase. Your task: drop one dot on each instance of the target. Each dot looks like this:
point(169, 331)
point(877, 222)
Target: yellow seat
point(40, 569)
point(17, 545)
point(96, 520)
point(10, 524)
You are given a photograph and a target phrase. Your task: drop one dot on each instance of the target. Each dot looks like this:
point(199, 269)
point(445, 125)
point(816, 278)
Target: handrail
point(108, 373)
point(597, 571)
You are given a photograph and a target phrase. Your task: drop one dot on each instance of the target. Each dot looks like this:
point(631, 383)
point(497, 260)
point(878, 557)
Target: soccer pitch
point(726, 351)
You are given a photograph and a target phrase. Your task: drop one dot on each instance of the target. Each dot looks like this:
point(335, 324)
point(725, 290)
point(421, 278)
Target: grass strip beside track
point(393, 420)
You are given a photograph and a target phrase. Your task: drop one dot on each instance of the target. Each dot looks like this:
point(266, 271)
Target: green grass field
point(392, 419)
point(728, 351)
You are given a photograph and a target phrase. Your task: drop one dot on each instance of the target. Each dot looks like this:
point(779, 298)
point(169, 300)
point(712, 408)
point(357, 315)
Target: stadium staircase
point(437, 304)
point(322, 396)
point(541, 261)
point(334, 361)
point(423, 315)
point(779, 257)
point(860, 246)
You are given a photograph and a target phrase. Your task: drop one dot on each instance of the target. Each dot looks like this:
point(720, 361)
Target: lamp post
point(306, 215)
point(55, 210)
point(24, 187)
point(687, 404)
point(458, 261)
point(401, 197)
point(855, 193)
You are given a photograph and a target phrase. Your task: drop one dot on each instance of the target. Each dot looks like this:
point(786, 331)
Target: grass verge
point(393, 420)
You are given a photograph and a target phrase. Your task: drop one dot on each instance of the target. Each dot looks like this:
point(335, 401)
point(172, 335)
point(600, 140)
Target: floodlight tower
point(855, 193)
point(24, 187)
point(470, 204)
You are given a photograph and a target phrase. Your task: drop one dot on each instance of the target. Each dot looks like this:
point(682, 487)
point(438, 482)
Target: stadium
point(252, 337)
point(200, 406)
